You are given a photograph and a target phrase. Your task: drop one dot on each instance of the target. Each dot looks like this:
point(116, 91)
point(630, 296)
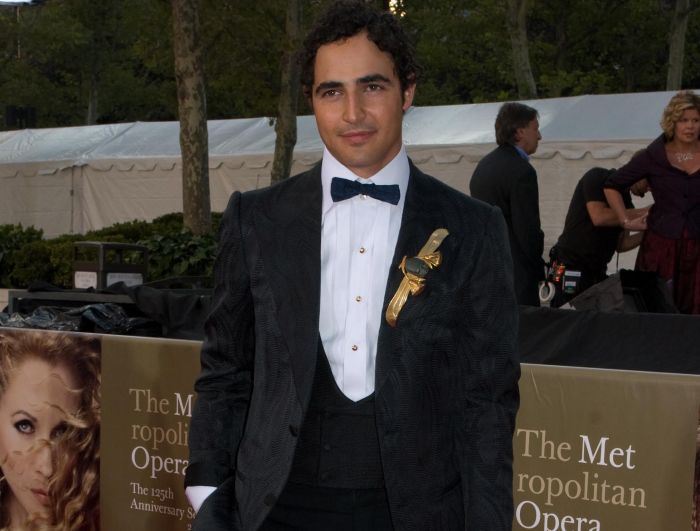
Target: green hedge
point(12, 239)
point(25, 258)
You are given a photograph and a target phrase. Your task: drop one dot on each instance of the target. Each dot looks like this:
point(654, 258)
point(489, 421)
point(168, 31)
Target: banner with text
point(595, 450)
point(603, 450)
point(147, 401)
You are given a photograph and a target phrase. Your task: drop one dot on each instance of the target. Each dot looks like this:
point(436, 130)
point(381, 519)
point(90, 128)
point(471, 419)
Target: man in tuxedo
point(313, 411)
point(505, 178)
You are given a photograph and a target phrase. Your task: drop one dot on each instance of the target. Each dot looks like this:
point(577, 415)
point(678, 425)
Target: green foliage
point(173, 251)
point(48, 261)
point(463, 49)
point(180, 254)
point(126, 56)
point(594, 47)
point(32, 264)
point(167, 223)
point(130, 231)
point(215, 222)
point(581, 47)
point(61, 260)
point(244, 44)
point(12, 239)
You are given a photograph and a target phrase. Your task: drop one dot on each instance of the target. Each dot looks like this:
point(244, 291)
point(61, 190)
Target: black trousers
point(307, 508)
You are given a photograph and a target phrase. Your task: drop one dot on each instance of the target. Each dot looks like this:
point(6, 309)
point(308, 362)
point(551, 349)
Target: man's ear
point(408, 94)
point(518, 135)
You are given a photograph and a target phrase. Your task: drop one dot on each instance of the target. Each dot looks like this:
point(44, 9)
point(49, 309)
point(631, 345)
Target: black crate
point(100, 264)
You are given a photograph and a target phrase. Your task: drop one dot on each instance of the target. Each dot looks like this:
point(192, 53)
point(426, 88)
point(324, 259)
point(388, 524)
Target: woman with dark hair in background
point(49, 431)
point(671, 163)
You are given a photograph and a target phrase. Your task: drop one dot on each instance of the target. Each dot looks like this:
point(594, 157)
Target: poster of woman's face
point(49, 430)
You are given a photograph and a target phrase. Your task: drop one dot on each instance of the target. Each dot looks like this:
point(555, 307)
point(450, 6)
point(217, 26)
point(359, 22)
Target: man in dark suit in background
point(326, 402)
point(505, 178)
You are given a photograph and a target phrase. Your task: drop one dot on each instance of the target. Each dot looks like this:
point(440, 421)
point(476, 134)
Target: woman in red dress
point(671, 163)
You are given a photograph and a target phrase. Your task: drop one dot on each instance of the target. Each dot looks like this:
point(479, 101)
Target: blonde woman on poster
point(49, 431)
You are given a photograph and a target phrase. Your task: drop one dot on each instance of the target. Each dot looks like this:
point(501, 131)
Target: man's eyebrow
point(371, 78)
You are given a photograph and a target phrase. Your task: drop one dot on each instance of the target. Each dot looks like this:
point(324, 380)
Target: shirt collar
point(396, 172)
point(521, 152)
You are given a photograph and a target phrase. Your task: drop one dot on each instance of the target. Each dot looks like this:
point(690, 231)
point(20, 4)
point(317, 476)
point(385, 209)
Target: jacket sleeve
point(224, 384)
point(525, 212)
point(491, 372)
point(635, 170)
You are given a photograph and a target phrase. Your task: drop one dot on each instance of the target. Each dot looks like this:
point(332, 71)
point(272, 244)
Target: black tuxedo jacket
point(504, 179)
point(446, 376)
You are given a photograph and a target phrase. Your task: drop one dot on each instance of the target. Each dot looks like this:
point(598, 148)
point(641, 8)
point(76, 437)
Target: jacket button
point(270, 500)
point(294, 430)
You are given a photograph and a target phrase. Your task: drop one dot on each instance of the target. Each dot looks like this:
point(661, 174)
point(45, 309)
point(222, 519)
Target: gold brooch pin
point(414, 271)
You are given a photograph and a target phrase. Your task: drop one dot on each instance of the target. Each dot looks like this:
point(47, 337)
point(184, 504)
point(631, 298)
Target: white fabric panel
point(108, 198)
point(43, 201)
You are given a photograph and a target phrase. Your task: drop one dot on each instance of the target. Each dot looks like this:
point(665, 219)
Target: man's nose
point(354, 107)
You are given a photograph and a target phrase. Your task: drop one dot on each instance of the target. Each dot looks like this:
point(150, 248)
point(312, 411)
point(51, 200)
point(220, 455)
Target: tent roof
point(596, 118)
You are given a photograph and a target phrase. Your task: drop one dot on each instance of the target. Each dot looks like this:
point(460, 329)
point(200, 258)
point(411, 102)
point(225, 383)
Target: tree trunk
point(676, 44)
point(515, 18)
point(92, 99)
point(192, 108)
point(286, 124)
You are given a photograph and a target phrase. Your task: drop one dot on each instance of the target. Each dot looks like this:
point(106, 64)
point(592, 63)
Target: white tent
point(74, 179)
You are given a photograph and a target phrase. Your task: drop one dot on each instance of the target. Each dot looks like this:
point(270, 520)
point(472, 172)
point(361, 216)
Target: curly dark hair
point(347, 18)
point(511, 117)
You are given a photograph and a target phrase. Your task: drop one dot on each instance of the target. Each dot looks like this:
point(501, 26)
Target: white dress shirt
point(358, 238)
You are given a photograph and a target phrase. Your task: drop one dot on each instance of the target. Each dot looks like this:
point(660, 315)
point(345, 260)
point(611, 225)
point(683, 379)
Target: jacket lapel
point(288, 227)
point(417, 224)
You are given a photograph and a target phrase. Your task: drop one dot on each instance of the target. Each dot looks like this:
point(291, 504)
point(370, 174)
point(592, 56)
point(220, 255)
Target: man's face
point(358, 104)
point(529, 136)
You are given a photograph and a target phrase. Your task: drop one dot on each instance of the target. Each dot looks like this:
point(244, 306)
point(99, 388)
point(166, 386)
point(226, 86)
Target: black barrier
point(610, 340)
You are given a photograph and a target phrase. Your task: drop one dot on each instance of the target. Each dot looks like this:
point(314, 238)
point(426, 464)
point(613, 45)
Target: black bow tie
point(342, 189)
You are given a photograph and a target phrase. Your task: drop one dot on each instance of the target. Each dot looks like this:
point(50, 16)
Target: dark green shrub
point(61, 253)
point(173, 251)
point(170, 223)
point(167, 223)
point(12, 239)
point(32, 264)
point(179, 254)
point(216, 222)
point(130, 232)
